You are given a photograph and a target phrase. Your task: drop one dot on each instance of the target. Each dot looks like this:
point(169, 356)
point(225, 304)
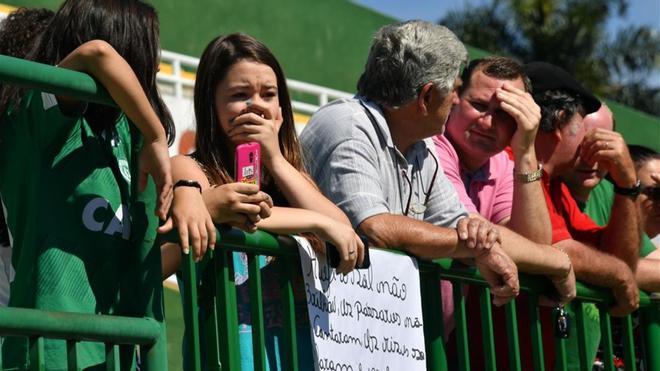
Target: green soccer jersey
point(82, 235)
point(599, 208)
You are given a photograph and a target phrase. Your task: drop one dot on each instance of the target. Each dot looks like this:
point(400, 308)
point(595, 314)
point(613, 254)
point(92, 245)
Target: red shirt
point(567, 222)
point(565, 216)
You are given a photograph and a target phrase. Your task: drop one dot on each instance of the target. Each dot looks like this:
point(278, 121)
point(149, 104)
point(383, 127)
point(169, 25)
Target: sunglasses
point(652, 192)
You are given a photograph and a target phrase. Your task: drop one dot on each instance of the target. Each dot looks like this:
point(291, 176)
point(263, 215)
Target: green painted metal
point(537, 337)
point(76, 326)
point(37, 324)
point(560, 354)
point(487, 335)
point(72, 355)
point(51, 79)
point(628, 344)
point(511, 320)
point(430, 272)
point(606, 337)
point(290, 356)
point(650, 326)
point(112, 361)
point(436, 359)
point(190, 313)
point(154, 356)
point(256, 307)
point(226, 311)
point(461, 328)
point(37, 362)
point(585, 362)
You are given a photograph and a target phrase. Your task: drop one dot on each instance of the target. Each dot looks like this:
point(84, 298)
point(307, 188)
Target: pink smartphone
point(248, 163)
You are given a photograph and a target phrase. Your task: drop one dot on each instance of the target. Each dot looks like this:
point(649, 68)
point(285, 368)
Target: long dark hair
point(130, 26)
point(213, 147)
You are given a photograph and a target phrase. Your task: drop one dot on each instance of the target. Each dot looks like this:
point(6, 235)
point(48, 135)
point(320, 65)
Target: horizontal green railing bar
point(457, 271)
point(77, 326)
point(264, 243)
point(259, 242)
point(52, 79)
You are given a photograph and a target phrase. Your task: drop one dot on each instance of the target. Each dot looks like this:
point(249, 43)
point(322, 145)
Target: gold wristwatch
point(529, 177)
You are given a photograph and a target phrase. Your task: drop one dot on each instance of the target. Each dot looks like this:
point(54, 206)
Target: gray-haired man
point(372, 155)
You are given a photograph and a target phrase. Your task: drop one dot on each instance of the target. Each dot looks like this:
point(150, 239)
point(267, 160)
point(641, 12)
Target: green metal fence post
point(37, 353)
point(154, 356)
point(461, 328)
point(436, 359)
point(650, 324)
point(487, 335)
point(290, 357)
point(256, 307)
point(628, 344)
point(537, 337)
point(226, 311)
point(190, 312)
point(512, 338)
point(585, 362)
point(112, 357)
point(72, 355)
point(606, 337)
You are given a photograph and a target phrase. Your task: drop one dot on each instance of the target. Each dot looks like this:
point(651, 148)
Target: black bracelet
point(188, 183)
point(633, 191)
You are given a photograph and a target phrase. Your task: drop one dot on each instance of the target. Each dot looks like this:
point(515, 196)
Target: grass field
point(174, 318)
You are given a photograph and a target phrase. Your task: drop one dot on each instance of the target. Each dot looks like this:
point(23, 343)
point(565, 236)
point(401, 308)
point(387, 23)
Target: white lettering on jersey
point(125, 170)
point(117, 223)
point(120, 222)
point(48, 100)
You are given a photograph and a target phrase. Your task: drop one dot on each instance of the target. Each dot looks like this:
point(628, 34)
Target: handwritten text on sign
point(369, 319)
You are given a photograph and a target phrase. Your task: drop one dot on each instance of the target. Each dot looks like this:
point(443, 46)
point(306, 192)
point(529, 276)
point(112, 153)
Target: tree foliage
point(571, 34)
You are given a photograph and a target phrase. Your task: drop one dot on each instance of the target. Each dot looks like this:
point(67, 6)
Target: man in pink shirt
point(495, 110)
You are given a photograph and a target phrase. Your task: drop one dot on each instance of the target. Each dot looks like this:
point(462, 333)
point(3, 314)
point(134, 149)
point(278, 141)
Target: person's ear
point(556, 133)
point(424, 98)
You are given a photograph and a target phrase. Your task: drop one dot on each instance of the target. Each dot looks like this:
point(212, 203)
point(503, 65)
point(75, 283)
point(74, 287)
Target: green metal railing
point(221, 327)
point(37, 325)
point(221, 324)
point(113, 331)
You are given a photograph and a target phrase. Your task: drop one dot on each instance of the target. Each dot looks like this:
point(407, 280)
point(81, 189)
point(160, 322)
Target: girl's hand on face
point(238, 204)
point(155, 161)
point(255, 127)
point(193, 221)
point(349, 245)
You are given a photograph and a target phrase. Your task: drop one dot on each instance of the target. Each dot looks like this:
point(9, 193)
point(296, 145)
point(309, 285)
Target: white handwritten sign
point(367, 320)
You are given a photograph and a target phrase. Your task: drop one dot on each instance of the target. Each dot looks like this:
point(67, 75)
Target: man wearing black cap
point(604, 256)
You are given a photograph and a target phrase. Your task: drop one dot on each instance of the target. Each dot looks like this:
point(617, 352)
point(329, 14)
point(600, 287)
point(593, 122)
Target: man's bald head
point(602, 118)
